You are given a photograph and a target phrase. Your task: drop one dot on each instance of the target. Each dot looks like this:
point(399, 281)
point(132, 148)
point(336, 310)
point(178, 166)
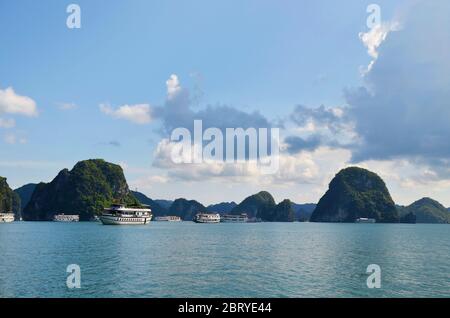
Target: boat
point(365, 220)
point(6, 217)
point(239, 218)
point(119, 214)
point(66, 218)
point(207, 218)
point(168, 218)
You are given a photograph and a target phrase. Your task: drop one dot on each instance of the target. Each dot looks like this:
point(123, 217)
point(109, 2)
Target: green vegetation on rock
point(356, 193)
point(186, 209)
point(426, 210)
point(85, 190)
point(282, 212)
point(254, 204)
point(262, 205)
point(9, 200)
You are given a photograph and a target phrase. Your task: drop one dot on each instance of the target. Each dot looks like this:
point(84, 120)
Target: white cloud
point(402, 111)
point(13, 139)
point(409, 181)
point(308, 167)
point(139, 114)
point(173, 86)
point(7, 123)
point(12, 103)
point(374, 38)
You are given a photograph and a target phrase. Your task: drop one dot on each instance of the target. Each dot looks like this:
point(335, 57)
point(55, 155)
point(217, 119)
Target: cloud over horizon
point(138, 114)
point(177, 111)
point(404, 109)
point(13, 103)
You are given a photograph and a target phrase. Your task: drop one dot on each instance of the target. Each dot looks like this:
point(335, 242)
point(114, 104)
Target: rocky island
point(85, 190)
point(426, 210)
point(262, 206)
point(9, 200)
point(356, 193)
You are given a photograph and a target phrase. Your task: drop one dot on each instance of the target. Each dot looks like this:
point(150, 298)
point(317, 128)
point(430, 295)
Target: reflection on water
point(184, 259)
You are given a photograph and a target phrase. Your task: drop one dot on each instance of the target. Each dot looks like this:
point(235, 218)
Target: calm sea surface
point(224, 260)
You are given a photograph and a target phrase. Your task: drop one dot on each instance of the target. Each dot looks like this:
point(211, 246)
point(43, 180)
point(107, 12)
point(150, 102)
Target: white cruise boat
point(365, 220)
point(66, 218)
point(207, 218)
point(120, 215)
point(6, 217)
point(168, 218)
point(239, 218)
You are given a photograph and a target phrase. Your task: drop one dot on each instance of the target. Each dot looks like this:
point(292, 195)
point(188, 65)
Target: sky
point(343, 92)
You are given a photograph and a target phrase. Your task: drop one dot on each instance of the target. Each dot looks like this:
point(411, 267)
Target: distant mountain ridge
point(222, 208)
point(25, 192)
point(157, 209)
point(427, 210)
point(186, 209)
point(303, 211)
point(166, 204)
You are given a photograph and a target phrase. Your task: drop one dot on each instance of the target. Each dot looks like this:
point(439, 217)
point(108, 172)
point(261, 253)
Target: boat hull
point(7, 218)
point(234, 221)
point(207, 221)
point(119, 220)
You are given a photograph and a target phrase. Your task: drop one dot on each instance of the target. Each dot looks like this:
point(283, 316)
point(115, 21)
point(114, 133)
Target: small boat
point(66, 218)
point(207, 218)
point(239, 218)
point(118, 214)
point(168, 218)
point(365, 220)
point(6, 217)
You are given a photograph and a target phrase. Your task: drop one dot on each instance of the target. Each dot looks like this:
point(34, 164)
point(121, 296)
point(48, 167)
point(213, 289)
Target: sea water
point(184, 259)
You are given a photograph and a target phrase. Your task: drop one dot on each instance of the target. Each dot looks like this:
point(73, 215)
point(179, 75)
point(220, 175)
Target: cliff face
point(282, 212)
point(9, 200)
point(25, 192)
point(85, 190)
point(356, 193)
point(186, 209)
point(427, 210)
point(303, 211)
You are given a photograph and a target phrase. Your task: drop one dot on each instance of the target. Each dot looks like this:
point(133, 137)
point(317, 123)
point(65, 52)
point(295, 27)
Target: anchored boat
point(207, 218)
point(365, 220)
point(6, 217)
point(118, 214)
point(240, 218)
point(168, 218)
point(66, 218)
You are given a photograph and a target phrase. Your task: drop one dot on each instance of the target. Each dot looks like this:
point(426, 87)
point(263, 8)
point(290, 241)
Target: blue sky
point(263, 56)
